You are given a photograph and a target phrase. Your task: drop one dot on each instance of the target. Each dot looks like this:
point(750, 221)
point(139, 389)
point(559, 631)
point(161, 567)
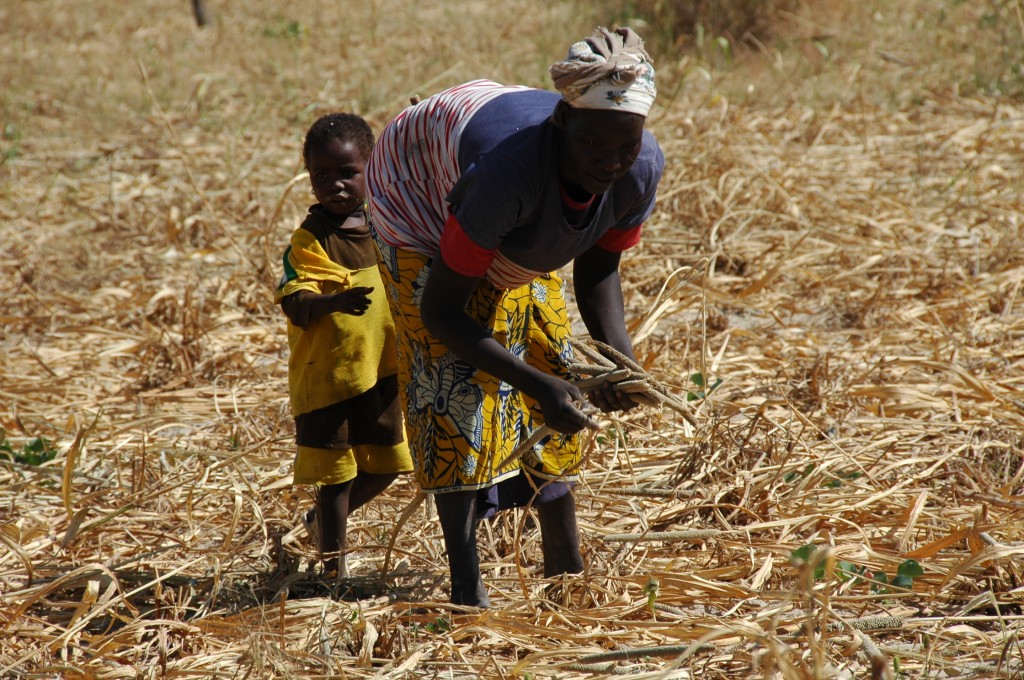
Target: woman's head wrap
point(610, 71)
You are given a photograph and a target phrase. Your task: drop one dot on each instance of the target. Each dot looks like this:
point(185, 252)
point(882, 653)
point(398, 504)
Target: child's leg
point(367, 486)
point(333, 508)
point(560, 538)
point(457, 512)
point(334, 504)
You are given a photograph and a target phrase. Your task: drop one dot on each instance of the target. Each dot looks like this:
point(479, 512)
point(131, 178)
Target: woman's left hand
point(599, 298)
point(609, 399)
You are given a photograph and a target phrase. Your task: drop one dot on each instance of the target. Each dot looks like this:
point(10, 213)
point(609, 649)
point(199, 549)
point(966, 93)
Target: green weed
point(282, 27)
point(440, 626)
point(34, 452)
point(702, 390)
point(847, 571)
point(833, 482)
point(651, 590)
point(11, 133)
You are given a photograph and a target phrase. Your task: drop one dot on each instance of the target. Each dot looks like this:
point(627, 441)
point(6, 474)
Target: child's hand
point(353, 301)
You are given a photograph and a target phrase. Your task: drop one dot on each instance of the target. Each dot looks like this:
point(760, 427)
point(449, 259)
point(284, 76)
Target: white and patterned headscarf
point(609, 70)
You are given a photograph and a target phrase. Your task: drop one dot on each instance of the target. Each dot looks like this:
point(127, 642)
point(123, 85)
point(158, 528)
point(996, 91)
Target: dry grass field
point(837, 251)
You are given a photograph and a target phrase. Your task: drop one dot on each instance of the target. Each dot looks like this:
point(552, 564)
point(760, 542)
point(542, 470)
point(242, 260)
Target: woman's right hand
point(443, 311)
point(559, 402)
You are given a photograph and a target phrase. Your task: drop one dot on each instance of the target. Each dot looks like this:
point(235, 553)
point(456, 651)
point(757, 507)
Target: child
point(342, 370)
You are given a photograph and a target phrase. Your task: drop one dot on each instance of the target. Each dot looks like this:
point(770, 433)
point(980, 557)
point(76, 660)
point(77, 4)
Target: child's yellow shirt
point(338, 356)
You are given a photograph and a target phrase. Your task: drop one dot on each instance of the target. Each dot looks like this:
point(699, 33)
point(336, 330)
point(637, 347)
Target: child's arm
point(303, 307)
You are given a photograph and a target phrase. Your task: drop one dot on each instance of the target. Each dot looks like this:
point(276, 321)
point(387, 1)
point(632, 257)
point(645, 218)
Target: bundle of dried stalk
point(606, 365)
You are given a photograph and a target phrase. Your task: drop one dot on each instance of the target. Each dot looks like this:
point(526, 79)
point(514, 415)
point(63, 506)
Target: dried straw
point(850, 271)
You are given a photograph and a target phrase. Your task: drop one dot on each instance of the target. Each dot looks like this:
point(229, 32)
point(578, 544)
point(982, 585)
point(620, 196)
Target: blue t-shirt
point(509, 198)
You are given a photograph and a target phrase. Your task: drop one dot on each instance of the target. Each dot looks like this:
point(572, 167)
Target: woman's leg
point(457, 512)
point(560, 538)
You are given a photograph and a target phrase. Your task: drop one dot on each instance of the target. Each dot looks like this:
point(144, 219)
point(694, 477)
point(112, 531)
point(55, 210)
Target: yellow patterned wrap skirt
point(461, 422)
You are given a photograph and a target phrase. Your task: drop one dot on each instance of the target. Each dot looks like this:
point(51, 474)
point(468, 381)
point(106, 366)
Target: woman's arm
point(599, 298)
point(443, 312)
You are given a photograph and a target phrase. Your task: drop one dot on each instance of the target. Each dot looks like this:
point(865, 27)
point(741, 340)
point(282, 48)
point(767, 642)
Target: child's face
point(336, 173)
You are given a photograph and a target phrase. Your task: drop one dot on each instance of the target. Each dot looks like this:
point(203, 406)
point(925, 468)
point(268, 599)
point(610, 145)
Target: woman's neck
point(575, 196)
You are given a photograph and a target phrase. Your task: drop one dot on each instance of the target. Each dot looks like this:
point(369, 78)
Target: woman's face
point(336, 173)
point(597, 147)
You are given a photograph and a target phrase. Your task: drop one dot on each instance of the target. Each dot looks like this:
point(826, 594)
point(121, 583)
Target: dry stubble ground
point(850, 271)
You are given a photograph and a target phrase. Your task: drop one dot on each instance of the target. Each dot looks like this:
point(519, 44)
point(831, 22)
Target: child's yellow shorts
point(326, 466)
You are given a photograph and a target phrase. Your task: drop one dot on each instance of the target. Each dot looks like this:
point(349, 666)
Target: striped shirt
point(472, 173)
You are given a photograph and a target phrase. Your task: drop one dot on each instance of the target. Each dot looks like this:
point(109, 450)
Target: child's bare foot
point(335, 568)
point(311, 523)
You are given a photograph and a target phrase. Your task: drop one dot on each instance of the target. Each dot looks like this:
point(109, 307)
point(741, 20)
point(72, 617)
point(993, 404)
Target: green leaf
point(37, 452)
point(846, 570)
point(698, 380)
point(282, 27)
point(902, 581)
point(440, 626)
point(911, 569)
point(792, 476)
point(838, 479)
point(802, 554)
point(724, 46)
point(652, 591)
point(881, 581)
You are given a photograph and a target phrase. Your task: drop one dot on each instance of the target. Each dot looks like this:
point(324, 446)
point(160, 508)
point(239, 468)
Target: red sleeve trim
point(618, 240)
point(460, 252)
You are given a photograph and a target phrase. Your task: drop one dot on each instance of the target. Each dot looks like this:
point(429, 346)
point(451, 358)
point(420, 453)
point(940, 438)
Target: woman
point(478, 194)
